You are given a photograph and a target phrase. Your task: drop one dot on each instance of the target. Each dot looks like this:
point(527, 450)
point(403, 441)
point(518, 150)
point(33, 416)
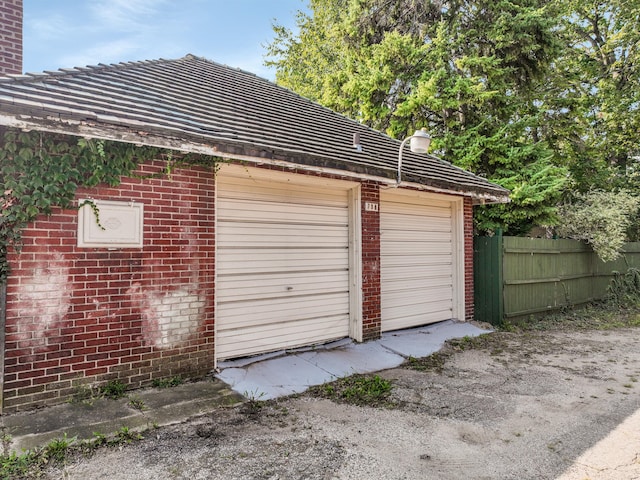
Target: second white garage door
point(420, 255)
point(282, 262)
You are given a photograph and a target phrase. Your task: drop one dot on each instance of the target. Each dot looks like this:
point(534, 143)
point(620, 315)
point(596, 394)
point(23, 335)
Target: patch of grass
point(254, 404)
point(471, 343)
point(114, 390)
point(87, 394)
point(33, 463)
point(595, 316)
point(168, 382)
point(362, 390)
point(17, 466)
point(496, 343)
point(624, 288)
point(127, 435)
point(99, 439)
point(56, 450)
point(432, 363)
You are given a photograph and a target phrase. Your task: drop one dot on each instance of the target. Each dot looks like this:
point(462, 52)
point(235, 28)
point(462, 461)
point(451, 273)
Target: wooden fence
point(516, 277)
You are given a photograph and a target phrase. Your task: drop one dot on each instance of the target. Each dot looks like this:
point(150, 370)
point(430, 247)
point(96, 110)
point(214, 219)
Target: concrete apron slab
point(285, 373)
point(83, 420)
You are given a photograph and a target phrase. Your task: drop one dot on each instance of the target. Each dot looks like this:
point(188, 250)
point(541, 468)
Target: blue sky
point(71, 33)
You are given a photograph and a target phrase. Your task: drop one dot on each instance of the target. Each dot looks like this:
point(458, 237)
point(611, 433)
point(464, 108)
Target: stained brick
point(102, 297)
point(105, 300)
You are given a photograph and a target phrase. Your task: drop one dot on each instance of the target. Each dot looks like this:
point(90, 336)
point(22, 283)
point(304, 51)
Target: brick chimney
point(10, 37)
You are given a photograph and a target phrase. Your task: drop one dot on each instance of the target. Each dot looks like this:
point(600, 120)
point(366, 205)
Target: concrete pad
point(423, 341)
point(266, 378)
point(295, 373)
point(275, 377)
point(354, 358)
point(82, 420)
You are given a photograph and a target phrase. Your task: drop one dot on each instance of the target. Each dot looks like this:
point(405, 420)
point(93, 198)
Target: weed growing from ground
point(624, 288)
point(5, 439)
point(127, 435)
point(17, 466)
point(434, 362)
point(168, 382)
point(597, 316)
point(137, 403)
point(363, 390)
point(32, 462)
point(254, 403)
point(56, 450)
point(99, 439)
point(114, 389)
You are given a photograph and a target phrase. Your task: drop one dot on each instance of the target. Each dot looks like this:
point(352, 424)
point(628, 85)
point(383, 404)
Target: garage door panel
point(419, 271)
point(282, 264)
point(270, 192)
point(310, 331)
point(412, 223)
point(245, 261)
point(434, 285)
point(428, 235)
point(283, 309)
point(314, 236)
point(407, 320)
point(419, 249)
point(416, 267)
point(437, 298)
point(419, 208)
point(254, 211)
point(269, 285)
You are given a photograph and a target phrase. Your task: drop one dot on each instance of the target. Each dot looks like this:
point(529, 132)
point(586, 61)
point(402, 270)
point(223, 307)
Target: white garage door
point(418, 257)
point(282, 264)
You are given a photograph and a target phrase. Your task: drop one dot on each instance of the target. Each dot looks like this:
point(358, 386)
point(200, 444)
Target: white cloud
point(107, 52)
point(47, 28)
point(125, 15)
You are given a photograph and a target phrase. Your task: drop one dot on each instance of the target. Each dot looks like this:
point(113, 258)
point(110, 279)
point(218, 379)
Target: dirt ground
point(508, 406)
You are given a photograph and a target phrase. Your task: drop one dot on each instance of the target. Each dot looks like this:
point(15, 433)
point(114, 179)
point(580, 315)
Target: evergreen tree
point(471, 71)
point(593, 116)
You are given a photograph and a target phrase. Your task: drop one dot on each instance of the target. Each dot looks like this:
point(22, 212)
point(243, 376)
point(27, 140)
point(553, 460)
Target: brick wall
point(371, 305)
point(89, 315)
point(10, 37)
point(468, 260)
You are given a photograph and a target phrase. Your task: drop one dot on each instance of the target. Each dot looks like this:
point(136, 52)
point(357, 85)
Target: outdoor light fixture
point(420, 141)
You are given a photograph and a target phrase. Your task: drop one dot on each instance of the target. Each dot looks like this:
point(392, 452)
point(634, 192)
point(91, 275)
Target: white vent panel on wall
point(120, 224)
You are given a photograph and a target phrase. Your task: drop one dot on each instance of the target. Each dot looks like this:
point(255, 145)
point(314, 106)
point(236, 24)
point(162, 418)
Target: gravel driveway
point(507, 406)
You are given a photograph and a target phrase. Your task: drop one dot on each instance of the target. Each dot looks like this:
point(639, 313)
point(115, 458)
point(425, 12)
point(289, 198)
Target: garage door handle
point(289, 289)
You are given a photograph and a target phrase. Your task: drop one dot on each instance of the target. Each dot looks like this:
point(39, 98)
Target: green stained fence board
point(516, 277)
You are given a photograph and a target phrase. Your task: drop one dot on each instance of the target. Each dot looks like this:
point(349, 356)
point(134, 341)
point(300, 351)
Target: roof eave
point(180, 142)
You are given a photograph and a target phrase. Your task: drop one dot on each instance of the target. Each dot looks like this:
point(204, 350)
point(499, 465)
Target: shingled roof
point(193, 104)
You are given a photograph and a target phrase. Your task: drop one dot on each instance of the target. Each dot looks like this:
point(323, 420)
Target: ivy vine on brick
point(40, 171)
